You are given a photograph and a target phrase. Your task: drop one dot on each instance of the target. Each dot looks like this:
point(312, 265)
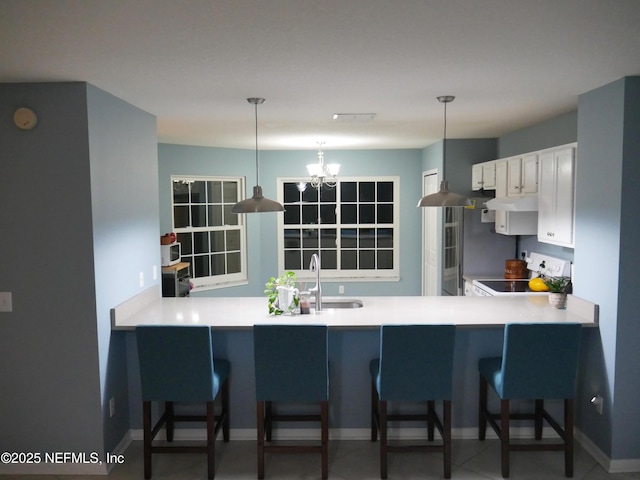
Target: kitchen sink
point(339, 303)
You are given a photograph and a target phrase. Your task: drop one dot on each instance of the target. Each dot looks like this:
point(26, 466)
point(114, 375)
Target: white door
point(430, 258)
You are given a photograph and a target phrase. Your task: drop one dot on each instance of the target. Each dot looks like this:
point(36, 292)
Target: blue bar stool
point(539, 361)
point(415, 365)
point(291, 366)
point(177, 365)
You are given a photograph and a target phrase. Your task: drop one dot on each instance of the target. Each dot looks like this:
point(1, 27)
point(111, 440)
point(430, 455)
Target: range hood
point(514, 204)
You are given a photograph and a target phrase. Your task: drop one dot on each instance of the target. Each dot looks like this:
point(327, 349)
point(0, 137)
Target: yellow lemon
point(538, 285)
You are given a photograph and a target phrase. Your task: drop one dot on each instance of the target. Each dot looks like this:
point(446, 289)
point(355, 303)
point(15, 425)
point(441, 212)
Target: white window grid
point(230, 227)
point(329, 274)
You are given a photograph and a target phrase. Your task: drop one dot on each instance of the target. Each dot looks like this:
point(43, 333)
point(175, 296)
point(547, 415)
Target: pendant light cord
point(257, 167)
point(444, 143)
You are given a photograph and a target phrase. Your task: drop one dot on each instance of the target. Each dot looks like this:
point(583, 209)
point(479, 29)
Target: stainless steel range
point(537, 264)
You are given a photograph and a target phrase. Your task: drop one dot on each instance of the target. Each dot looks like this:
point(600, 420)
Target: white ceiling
point(193, 63)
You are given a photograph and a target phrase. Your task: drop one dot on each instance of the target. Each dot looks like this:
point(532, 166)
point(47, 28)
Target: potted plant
point(558, 289)
point(280, 288)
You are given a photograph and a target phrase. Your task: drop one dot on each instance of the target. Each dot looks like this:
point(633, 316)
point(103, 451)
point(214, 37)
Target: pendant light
point(444, 198)
point(257, 203)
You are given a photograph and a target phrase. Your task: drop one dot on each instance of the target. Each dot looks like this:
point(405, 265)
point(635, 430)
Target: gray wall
point(608, 175)
point(71, 249)
point(124, 201)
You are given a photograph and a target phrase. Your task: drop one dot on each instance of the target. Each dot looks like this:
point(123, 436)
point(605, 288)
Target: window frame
point(364, 275)
point(212, 282)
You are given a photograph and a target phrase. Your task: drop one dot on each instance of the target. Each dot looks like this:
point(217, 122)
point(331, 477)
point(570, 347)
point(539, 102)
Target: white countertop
point(244, 312)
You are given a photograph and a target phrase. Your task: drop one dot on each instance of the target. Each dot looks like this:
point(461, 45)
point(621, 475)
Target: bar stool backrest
point(176, 363)
point(291, 363)
point(539, 360)
point(416, 362)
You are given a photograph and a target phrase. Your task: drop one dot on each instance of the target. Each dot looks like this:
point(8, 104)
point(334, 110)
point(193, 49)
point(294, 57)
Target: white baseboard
point(627, 465)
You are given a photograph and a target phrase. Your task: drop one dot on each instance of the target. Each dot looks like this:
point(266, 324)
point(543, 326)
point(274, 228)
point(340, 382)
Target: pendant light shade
point(257, 203)
point(444, 198)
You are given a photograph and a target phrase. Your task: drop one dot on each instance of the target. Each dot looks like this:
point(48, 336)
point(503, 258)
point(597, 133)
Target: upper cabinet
point(511, 223)
point(556, 182)
point(483, 176)
point(522, 175)
point(549, 174)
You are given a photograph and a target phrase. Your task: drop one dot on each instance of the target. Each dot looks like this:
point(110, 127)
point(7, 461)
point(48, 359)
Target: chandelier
point(322, 174)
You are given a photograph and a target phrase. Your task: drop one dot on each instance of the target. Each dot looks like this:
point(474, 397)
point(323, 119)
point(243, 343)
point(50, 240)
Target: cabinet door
point(501, 191)
point(483, 176)
point(514, 176)
point(476, 176)
point(529, 175)
point(489, 176)
point(555, 197)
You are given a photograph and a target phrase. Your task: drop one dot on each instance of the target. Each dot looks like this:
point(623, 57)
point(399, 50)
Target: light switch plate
point(5, 302)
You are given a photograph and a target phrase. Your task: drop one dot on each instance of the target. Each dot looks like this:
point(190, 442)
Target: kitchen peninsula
point(354, 339)
point(243, 312)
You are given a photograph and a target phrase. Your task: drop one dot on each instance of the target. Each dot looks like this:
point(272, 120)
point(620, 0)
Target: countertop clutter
point(243, 312)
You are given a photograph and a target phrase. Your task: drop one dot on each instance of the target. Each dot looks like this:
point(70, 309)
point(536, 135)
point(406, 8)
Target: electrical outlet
point(142, 279)
point(112, 407)
point(5, 302)
point(155, 272)
point(524, 254)
point(341, 289)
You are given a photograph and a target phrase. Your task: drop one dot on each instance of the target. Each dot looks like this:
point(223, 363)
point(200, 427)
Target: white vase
point(287, 297)
point(558, 300)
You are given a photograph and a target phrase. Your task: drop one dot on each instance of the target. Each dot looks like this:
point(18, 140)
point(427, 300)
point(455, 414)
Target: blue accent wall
point(607, 261)
point(124, 210)
point(79, 209)
point(262, 235)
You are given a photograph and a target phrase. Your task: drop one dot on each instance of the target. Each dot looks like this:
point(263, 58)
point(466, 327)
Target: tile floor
point(353, 460)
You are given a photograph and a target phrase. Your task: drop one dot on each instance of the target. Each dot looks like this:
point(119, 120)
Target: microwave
point(170, 254)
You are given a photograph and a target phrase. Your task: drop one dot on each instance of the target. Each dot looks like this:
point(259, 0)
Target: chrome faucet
point(314, 266)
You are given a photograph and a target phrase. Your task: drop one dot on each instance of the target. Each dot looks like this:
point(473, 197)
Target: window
point(353, 226)
point(212, 239)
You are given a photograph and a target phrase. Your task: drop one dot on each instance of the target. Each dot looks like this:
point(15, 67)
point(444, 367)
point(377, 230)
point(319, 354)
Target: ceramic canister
point(515, 269)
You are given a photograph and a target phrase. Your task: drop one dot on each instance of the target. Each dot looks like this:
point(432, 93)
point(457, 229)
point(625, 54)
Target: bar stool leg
point(431, 411)
point(482, 409)
point(211, 439)
point(260, 424)
point(168, 408)
point(225, 411)
point(383, 439)
point(538, 418)
point(446, 413)
point(568, 431)
point(148, 438)
point(324, 427)
point(504, 436)
point(375, 414)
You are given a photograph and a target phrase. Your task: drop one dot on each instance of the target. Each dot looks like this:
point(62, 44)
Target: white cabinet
point(522, 175)
point(556, 196)
point(512, 223)
point(483, 176)
point(516, 223)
